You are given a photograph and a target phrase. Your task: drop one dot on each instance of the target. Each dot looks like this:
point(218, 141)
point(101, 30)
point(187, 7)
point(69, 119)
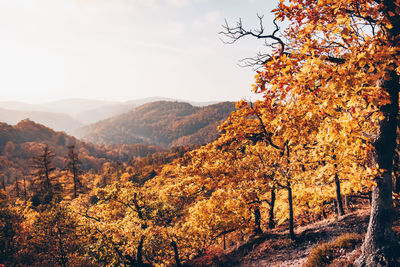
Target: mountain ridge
point(83, 111)
point(163, 123)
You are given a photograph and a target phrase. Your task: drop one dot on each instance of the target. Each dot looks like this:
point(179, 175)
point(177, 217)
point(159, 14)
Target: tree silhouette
point(44, 188)
point(73, 166)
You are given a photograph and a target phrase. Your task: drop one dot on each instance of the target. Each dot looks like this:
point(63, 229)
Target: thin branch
point(234, 33)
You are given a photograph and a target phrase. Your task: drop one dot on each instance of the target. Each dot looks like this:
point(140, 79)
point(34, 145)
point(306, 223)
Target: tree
point(9, 223)
point(9, 149)
point(44, 189)
point(51, 238)
point(127, 226)
point(340, 59)
point(73, 166)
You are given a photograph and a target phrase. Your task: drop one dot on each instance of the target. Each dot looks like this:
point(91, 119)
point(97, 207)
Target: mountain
point(104, 112)
point(163, 123)
point(142, 101)
point(21, 142)
point(86, 111)
point(57, 121)
point(75, 106)
point(112, 110)
point(16, 105)
point(71, 106)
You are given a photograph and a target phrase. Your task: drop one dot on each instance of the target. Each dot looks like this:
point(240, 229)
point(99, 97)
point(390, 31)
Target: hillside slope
point(275, 249)
point(104, 112)
point(162, 123)
point(20, 143)
point(86, 111)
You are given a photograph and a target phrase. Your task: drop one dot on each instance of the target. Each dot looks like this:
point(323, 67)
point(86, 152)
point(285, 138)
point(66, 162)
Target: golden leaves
point(319, 112)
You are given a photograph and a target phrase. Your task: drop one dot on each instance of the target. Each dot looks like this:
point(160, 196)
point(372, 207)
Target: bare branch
point(232, 34)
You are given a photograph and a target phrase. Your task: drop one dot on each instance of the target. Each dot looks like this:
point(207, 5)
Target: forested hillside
point(71, 114)
point(162, 123)
point(22, 142)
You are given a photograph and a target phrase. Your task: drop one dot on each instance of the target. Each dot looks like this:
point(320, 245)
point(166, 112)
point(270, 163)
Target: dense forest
point(20, 143)
point(323, 141)
point(162, 123)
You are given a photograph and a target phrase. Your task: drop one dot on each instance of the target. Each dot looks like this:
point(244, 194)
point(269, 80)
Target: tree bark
point(339, 201)
point(396, 171)
point(25, 193)
point(176, 253)
point(380, 244)
point(291, 220)
point(17, 189)
point(139, 254)
point(271, 223)
point(257, 221)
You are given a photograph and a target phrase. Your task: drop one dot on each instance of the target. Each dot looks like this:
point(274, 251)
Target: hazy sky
point(124, 49)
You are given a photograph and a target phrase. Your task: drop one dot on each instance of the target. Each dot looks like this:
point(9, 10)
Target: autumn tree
point(73, 163)
point(9, 149)
point(128, 226)
point(341, 57)
point(231, 169)
point(45, 189)
point(9, 223)
point(51, 237)
point(268, 143)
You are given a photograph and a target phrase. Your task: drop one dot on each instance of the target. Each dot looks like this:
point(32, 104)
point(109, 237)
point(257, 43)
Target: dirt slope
point(269, 253)
point(276, 249)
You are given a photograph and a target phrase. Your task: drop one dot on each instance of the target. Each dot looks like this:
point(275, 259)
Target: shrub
point(325, 253)
point(348, 241)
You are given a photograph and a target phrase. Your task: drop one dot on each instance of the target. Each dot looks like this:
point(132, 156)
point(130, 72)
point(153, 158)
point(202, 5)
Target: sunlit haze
point(125, 49)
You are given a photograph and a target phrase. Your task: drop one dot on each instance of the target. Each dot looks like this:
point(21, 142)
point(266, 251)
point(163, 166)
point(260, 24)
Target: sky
point(125, 49)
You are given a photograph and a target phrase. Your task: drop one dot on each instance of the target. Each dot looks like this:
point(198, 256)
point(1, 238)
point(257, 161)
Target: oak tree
point(341, 58)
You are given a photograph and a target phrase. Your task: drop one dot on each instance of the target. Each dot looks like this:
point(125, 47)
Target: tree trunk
point(257, 221)
point(396, 171)
point(339, 201)
point(396, 184)
point(176, 253)
point(271, 223)
point(380, 244)
point(25, 193)
point(139, 255)
point(75, 174)
point(63, 260)
point(17, 189)
point(291, 220)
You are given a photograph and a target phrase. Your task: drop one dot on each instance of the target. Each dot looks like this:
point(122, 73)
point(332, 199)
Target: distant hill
point(75, 106)
point(104, 112)
point(84, 111)
point(67, 106)
point(142, 101)
point(163, 123)
point(57, 121)
point(19, 143)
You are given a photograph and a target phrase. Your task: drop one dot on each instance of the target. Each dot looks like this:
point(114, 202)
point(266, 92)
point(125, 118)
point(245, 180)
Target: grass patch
point(325, 253)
